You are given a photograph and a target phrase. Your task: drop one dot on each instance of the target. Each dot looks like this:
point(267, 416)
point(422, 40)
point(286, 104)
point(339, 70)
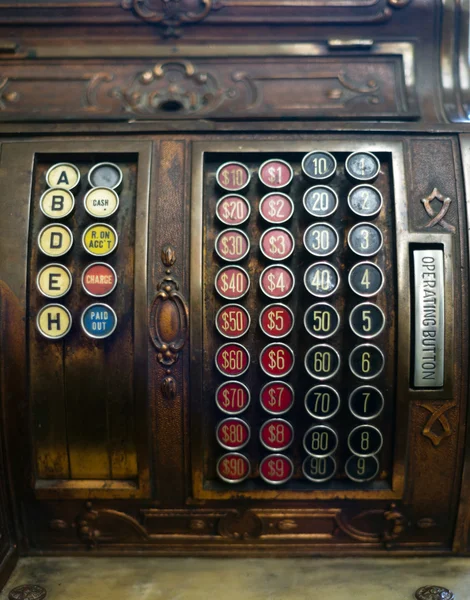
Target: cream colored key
point(63, 175)
point(54, 280)
point(54, 321)
point(101, 202)
point(57, 203)
point(55, 240)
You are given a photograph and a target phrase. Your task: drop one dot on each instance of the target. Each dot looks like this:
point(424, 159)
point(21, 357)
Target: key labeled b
point(57, 203)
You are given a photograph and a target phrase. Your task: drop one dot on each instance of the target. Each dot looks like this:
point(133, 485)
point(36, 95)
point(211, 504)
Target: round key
point(322, 362)
point(321, 320)
point(365, 201)
point(276, 434)
point(363, 166)
point(232, 359)
point(366, 402)
point(106, 175)
point(233, 176)
point(232, 283)
point(100, 239)
point(319, 165)
point(366, 279)
point(321, 279)
point(277, 360)
point(99, 279)
point(276, 320)
point(320, 201)
point(276, 397)
point(320, 441)
point(321, 239)
point(319, 469)
point(322, 402)
point(233, 433)
point(366, 361)
point(232, 397)
point(101, 202)
point(277, 282)
point(54, 321)
point(276, 208)
point(362, 469)
point(55, 240)
point(63, 175)
point(54, 280)
point(277, 243)
point(365, 239)
point(275, 173)
point(232, 245)
point(367, 320)
point(276, 469)
point(233, 467)
point(365, 440)
point(99, 321)
point(57, 203)
point(233, 210)
point(232, 321)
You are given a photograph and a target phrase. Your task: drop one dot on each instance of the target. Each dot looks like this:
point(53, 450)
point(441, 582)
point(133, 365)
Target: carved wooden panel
point(368, 87)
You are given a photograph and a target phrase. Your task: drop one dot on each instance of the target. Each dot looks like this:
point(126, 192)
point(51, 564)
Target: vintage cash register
point(234, 273)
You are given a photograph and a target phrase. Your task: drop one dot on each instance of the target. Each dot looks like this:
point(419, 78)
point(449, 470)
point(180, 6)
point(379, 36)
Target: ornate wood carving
point(169, 316)
point(170, 13)
point(241, 526)
point(251, 87)
point(172, 86)
point(437, 416)
point(391, 521)
point(169, 322)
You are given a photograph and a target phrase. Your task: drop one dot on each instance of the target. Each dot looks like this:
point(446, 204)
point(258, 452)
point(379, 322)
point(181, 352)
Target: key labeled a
point(54, 280)
point(54, 321)
point(63, 175)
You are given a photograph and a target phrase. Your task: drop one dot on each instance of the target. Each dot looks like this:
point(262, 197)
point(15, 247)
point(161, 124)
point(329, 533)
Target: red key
point(276, 434)
point(233, 467)
point(276, 469)
point(276, 397)
point(276, 320)
point(233, 176)
point(277, 360)
point(232, 321)
point(233, 433)
point(277, 281)
point(232, 397)
point(277, 243)
point(232, 283)
point(232, 359)
point(276, 173)
point(232, 245)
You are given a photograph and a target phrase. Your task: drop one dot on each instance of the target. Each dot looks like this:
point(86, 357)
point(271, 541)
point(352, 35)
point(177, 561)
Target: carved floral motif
point(392, 523)
point(438, 218)
point(241, 525)
point(7, 96)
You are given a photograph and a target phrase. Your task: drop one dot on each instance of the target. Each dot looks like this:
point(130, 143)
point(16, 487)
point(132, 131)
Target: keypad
point(309, 303)
point(66, 184)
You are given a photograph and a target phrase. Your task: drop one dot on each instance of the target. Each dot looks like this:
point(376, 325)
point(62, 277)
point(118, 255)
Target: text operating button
point(99, 321)
point(99, 279)
point(54, 281)
point(55, 240)
point(100, 239)
point(54, 321)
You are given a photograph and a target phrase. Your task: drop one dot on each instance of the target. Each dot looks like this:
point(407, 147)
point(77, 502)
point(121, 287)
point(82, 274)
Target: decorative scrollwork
point(437, 415)
point(169, 317)
point(241, 526)
point(172, 86)
point(392, 523)
point(108, 526)
point(438, 218)
point(170, 13)
point(7, 97)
